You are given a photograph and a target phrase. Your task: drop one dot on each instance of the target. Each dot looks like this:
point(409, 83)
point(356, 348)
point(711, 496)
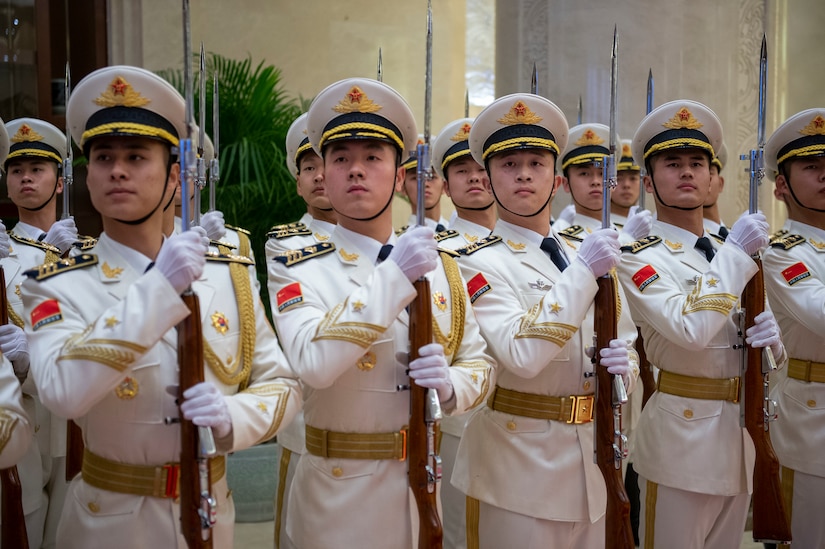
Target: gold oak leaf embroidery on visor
point(360, 333)
point(281, 392)
point(555, 332)
point(721, 303)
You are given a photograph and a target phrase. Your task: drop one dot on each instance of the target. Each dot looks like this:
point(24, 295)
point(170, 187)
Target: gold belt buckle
point(171, 490)
point(582, 411)
point(737, 386)
point(403, 433)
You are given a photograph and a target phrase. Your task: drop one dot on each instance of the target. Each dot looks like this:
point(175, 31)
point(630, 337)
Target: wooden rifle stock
point(190, 362)
point(609, 443)
point(645, 369)
point(770, 520)
point(424, 465)
point(11, 507)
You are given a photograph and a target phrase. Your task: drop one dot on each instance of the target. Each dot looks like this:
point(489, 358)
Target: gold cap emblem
point(356, 101)
point(26, 133)
point(519, 113)
point(626, 150)
point(683, 119)
point(120, 93)
point(814, 127)
point(589, 137)
point(463, 133)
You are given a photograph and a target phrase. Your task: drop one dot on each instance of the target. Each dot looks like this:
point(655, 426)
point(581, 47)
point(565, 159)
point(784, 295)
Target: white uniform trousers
point(807, 526)
point(452, 499)
point(286, 471)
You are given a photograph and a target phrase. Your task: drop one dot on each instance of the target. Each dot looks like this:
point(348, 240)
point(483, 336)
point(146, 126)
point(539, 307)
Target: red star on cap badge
point(119, 86)
point(520, 109)
point(819, 122)
point(465, 129)
point(355, 95)
point(25, 130)
point(684, 114)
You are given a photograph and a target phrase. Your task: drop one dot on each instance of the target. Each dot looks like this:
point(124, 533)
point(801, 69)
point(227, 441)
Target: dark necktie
point(41, 237)
point(440, 228)
point(384, 252)
point(703, 245)
point(723, 232)
point(551, 247)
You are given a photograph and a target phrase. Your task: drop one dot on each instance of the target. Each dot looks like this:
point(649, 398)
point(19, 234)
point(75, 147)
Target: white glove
point(205, 406)
point(568, 214)
point(15, 346)
point(750, 232)
point(617, 360)
point(182, 257)
point(213, 224)
point(600, 251)
point(5, 242)
point(416, 252)
point(765, 333)
point(62, 234)
point(431, 370)
point(638, 225)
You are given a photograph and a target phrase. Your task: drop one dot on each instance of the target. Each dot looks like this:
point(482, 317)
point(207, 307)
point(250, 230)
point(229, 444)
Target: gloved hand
point(15, 346)
point(5, 242)
point(617, 360)
point(568, 214)
point(182, 257)
point(205, 406)
point(749, 233)
point(62, 234)
point(765, 333)
point(431, 370)
point(213, 224)
point(600, 251)
point(416, 252)
point(638, 225)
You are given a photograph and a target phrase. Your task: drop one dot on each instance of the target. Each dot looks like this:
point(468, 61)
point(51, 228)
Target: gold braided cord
point(458, 308)
point(7, 424)
point(523, 142)
point(51, 257)
point(555, 332)
point(810, 150)
point(477, 367)
point(40, 153)
point(721, 303)
point(14, 317)
point(616, 297)
point(680, 142)
point(130, 127)
point(381, 132)
point(360, 333)
point(244, 247)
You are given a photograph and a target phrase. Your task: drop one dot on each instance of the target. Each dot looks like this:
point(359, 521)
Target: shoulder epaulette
point(449, 252)
point(476, 246)
point(571, 233)
point(85, 243)
point(48, 270)
point(639, 245)
point(788, 241)
point(279, 232)
point(32, 242)
point(719, 238)
point(229, 258)
point(222, 243)
point(778, 234)
point(444, 235)
point(292, 257)
point(238, 229)
point(402, 230)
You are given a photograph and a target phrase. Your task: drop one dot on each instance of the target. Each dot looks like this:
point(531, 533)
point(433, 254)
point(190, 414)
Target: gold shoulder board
point(448, 252)
point(444, 235)
point(281, 232)
point(48, 270)
point(718, 238)
point(402, 230)
point(229, 258)
point(788, 241)
point(292, 257)
point(640, 245)
point(476, 246)
point(85, 243)
point(778, 234)
point(36, 243)
point(571, 233)
point(238, 229)
point(223, 243)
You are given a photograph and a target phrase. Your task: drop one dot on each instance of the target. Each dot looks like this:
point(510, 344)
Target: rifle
point(770, 519)
point(609, 442)
point(645, 371)
point(197, 506)
point(11, 507)
point(425, 409)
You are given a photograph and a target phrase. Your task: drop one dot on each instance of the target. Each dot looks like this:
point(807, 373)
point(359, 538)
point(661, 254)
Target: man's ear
point(780, 189)
point(565, 183)
point(400, 176)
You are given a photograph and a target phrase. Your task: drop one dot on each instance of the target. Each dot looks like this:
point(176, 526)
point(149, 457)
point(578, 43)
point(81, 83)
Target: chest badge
point(128, 389)
point(440, 301)
point(539, 285)
point(220, 322)
point(366, 362)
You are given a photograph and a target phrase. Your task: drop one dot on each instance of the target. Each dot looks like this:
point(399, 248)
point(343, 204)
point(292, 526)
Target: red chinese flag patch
point(644, 277)
point(795, 273)
point(477, 286)
point(288, 296)
point(46, 313)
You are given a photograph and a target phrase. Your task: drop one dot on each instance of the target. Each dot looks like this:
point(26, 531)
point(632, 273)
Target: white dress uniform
point(307, 231)
point(342, 320)
point(794, 268)
point(538, 323)
point(686, 309)
point(105, 353)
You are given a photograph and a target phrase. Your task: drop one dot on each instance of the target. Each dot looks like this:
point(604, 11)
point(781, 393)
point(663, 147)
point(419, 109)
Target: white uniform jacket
point(104, 352)
point(538, 322)
point(794, 268)
point(686, 309)
point(343, 324)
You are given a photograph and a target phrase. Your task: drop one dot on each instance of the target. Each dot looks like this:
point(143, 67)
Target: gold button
point(586, 385)
point(688, 413)
point(811, 403)
point(337, 471)
point(94, 507)
point(511, 425)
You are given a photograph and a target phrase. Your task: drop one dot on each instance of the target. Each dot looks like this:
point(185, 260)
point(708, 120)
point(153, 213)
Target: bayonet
point(466, 103)
point(68, 168)
point(648, 108)
point(534, 80)
point(579, 111)
point(214, 166)
point(423, 150)
point(200, 182)
point(380, 75)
